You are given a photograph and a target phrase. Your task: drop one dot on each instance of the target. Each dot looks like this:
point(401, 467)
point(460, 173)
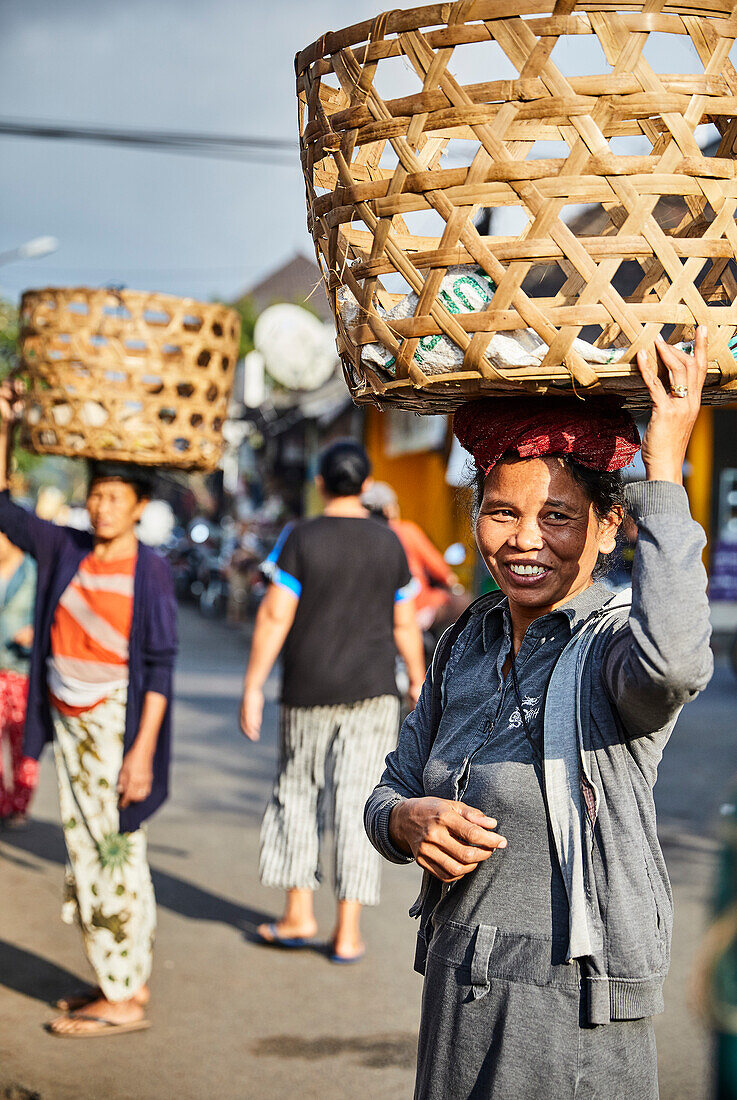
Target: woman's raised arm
point(26, 530)
point(675, 409)
point(662, 658)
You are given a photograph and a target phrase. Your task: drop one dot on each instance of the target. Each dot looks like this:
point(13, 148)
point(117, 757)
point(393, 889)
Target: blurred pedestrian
point(339, 605)
point(100, 687)
point(241, 570)
point(437, 583)
point(522, 783)
point(17, 595)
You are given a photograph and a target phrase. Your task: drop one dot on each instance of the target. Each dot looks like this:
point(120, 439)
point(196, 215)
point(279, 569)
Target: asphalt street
point(235, 1020)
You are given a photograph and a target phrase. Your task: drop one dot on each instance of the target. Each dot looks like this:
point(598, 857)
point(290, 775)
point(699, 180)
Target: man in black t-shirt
point(338, 608)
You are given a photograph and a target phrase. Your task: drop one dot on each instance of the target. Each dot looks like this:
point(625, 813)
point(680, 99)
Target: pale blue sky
point(170, 222)
point(153, 220)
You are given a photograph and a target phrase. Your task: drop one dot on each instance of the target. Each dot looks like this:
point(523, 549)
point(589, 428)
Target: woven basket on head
point(126, 375)
point(391, 140)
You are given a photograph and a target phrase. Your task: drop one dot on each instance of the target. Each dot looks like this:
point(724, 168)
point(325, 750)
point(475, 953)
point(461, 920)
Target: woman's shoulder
point(458, 641)
point(153, 564)
point(69, 542)
point(609, 619)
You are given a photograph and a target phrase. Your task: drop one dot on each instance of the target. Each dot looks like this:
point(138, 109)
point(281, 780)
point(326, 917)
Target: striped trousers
point(330, 758)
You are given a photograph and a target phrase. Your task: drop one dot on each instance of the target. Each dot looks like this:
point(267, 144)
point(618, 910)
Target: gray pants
point(500, 1021)
point(329, 758)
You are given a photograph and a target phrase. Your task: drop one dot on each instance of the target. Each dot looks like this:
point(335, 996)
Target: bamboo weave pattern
point(659, 257)
point(126, 375)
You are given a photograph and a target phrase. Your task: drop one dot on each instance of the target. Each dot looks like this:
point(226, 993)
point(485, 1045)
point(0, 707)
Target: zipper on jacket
point(461, 781)
point(464, 775)
point(488, 729)
point(461, 785)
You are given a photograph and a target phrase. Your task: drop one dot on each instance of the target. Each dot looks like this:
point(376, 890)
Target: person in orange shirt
point(100, 686)
point(433, 576)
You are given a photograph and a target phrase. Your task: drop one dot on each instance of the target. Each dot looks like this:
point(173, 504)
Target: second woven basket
point(127, 375)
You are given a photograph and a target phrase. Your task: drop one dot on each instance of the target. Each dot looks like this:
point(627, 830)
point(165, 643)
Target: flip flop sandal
point(108, 1027)
point(346, 960)
point(292, 943)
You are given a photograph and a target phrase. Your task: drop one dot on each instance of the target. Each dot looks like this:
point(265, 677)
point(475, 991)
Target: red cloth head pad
point(597, 432)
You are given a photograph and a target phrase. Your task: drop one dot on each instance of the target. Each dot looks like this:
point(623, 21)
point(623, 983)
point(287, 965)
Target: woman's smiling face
point(539, 534)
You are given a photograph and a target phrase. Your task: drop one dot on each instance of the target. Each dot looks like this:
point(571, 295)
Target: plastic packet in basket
point(467, 290)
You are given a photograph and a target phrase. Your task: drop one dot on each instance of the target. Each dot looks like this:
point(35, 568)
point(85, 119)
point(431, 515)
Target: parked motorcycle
point(185, 561)
point(187, 557)
point(213, 578)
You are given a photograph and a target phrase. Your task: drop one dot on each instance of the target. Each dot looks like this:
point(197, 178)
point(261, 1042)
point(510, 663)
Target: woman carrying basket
point(100, 686)
point(522, 782)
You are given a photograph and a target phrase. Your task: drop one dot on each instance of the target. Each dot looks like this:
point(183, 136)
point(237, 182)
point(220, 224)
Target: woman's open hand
point(252, 711)
point(673, 416)
point(446, 838)
point(136, 777)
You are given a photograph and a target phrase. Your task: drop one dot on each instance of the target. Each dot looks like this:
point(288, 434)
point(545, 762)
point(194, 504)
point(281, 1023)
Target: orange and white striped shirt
point(90, 634)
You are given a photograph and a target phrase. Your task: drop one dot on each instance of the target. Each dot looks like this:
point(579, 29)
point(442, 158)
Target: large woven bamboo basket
point(404, 163)
point(127, 375)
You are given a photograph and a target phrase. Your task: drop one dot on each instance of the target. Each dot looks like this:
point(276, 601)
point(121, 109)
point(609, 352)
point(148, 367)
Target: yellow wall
point(701, 460)
point(419, 482)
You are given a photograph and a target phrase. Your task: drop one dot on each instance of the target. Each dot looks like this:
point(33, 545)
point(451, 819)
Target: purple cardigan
point(153, 639)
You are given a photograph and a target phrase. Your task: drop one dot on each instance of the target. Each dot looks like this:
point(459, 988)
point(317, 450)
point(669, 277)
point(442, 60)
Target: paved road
point(235, 1021)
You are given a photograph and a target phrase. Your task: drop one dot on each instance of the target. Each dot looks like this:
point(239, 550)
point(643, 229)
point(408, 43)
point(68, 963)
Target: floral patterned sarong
point(108, 883)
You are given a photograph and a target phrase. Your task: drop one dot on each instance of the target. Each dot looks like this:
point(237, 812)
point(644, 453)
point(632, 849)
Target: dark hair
point(344, 466)
point(605, 491)
point(140, 479)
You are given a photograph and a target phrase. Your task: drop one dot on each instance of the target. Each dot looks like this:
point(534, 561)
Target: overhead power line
point(269, 150)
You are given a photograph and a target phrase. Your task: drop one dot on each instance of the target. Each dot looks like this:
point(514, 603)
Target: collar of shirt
point(571, 616)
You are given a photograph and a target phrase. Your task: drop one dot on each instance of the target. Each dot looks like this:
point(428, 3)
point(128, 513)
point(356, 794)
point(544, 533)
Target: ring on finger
point(679, 391)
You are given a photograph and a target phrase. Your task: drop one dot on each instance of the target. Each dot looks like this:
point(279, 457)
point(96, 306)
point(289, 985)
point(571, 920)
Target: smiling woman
point(523, 781)
point(540, 533)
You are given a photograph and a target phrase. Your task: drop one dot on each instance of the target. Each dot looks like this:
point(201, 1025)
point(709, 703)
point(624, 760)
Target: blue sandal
point(292, 943)
point(347, 960)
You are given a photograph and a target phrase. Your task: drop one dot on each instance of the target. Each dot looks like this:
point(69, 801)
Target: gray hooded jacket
point(625, 688)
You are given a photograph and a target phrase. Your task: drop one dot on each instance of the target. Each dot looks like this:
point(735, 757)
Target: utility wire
point(281, 152)
point(277, 151)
